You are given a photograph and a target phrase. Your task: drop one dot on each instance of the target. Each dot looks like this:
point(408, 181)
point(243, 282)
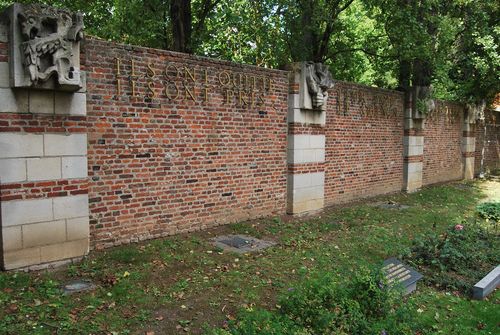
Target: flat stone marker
point(398, 273)
point(391, 205)
point(78, 286)
point(241, 243)
point(487, 285)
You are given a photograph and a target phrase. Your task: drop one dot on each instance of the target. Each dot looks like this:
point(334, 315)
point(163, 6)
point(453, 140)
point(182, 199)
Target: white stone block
point(413, 167)
point(315, 117)
point(66, 250)
point(298, 142)
point(13, 101)
point(469, 168)
point(413, 140)
point(12, 238)
point(4, 75)
point(317, 141)
point(415, 178)
point(20, 212)
point(77, 228)
point(293, 100)
point(12, 170)
point(44, 233)
point(41, 102)
point(308, 156)
point(21, 258)
point(413, 150)
point(70, 103)
point(317, 178)
point(65, 145)
point(44, 168)
point(71, 207)
point(308, 193)
point(14, 145)
point(319, 155)
point(8, 101)
point(296, 115)
point(305, 141)
point(300, 156)
point(303, 180)
point(74, 167)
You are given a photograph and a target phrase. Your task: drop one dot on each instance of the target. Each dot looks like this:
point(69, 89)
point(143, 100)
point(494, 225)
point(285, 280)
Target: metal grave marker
point(236, 242)
point(241, 243)
point(77, 286)
point(401, 274)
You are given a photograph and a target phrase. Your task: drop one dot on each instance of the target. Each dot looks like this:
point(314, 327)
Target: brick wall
point(490, 143)
point(364, 143)
point(442, 144)
point(206, 152)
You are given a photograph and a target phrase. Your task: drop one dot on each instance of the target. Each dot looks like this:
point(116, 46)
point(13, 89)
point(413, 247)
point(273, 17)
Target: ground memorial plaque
point(390, 205)
point(241, 243)
point(487, 285)
point(77, 286)
point(399, 274)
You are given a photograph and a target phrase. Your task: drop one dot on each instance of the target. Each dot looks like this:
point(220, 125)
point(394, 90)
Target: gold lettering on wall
point(182, 82)
point(151, 71)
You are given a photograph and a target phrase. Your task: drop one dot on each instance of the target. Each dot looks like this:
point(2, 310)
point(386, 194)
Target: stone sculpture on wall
point(319, 80)
point(46, 43)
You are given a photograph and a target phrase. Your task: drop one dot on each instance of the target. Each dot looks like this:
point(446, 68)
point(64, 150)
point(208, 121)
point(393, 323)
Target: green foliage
point(457, 258)
point(489, 211)
point(452, 45)
point(322, 305)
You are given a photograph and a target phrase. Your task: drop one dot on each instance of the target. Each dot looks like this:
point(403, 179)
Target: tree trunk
point(180, 15)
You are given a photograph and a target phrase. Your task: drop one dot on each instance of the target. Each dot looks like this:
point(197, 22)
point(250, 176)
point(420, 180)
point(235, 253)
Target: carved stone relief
point(45, 47)
point(319, 80)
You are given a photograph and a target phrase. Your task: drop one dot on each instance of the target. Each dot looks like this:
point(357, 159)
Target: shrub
point(324, 306)
point(457, 258)
point(489, 211)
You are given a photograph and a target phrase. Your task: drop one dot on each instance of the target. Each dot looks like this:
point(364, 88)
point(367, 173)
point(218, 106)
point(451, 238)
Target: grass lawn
point(182, 284)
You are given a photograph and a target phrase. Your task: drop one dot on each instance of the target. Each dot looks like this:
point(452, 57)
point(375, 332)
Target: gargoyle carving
point(49, 36)
point(319, 80)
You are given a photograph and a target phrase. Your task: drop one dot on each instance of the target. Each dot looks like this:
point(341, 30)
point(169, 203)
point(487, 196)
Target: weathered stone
point(74, 167)
point(21, 258)
point(66, 250)
point(65, 145)
point(38, 31)
point(12, 238)
point(71, 207)
point(41, 102)
point(18, 212)
point(46, 168)
point(487, 285)
point(70, 103)
point(4, 75)
point(12, 170)
point(319, 80)
point(13, 145)
point(44, 233)
point(241, 243)
point(77, 228)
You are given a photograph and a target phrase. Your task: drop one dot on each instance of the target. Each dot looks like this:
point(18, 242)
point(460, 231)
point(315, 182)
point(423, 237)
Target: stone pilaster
point(468, 145)
point(306, 146)
point(413, 146)
point(43, 152)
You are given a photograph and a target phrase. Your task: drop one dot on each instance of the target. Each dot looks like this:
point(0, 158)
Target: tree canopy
point(452, 45)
